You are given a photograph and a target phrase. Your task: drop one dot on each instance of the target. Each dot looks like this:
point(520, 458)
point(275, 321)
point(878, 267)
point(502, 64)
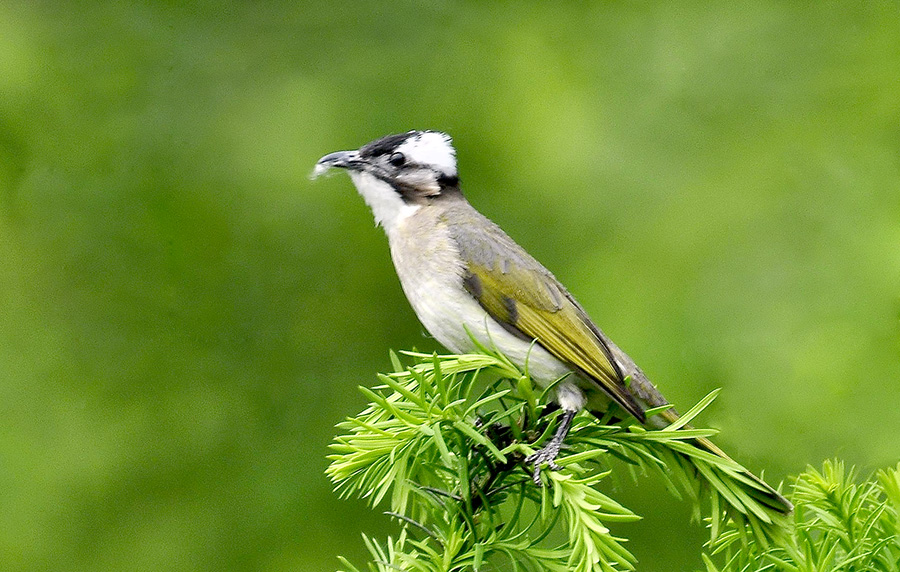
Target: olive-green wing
point(526, 298)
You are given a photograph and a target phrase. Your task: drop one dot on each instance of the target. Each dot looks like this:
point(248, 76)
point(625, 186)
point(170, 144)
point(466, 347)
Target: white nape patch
point(431, 149)
point(387, 206)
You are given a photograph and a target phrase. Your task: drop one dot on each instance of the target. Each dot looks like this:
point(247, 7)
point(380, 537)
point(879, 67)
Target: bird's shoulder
point(498, 263)
point(523, 296)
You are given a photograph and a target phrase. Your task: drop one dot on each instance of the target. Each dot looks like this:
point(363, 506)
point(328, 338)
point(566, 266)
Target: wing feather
point(523, 296)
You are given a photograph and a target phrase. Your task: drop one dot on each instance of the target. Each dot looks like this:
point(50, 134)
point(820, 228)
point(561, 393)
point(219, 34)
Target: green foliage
point(443, 444)
point(839, 524)
point(184, 316)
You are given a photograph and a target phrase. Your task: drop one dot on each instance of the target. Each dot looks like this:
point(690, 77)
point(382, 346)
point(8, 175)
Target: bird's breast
point(431, 272)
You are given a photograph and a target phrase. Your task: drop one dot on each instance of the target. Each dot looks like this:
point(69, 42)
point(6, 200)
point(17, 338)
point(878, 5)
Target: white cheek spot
point(431, 149)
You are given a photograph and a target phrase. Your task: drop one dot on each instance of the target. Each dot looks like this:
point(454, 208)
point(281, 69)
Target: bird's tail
point(746, 492)
point(741, 488)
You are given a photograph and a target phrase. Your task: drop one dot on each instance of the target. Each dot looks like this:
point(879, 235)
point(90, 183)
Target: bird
point(470, 284)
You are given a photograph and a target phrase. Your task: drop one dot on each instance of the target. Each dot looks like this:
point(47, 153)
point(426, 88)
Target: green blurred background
point(185, 316)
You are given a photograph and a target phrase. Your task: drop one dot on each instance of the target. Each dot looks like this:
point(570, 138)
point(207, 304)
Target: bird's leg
point(548, 453)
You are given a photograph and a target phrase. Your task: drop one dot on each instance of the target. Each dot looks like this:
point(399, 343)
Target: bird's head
point(399, 173)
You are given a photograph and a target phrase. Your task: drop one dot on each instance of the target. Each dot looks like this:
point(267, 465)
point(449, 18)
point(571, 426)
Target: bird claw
point(546, 455)
point(549, 453)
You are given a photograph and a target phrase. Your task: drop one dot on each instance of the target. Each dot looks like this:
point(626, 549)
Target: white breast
point(430, 272)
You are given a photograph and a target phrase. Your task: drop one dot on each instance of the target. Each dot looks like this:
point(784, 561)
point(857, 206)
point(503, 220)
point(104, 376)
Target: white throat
point(387, 205)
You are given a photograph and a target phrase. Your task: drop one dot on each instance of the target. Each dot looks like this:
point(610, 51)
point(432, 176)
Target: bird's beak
point(339, 159)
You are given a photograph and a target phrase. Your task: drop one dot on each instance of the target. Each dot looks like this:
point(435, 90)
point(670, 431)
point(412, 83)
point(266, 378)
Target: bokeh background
point(184, 315)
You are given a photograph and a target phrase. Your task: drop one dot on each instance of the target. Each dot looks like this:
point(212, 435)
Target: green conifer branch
point(839, 524)
point(442, 444)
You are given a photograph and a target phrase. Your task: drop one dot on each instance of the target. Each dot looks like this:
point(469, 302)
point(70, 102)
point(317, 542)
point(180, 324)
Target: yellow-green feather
point(523, 296)
point(540, 309)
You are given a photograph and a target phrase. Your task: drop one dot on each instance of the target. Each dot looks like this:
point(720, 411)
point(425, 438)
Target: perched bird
point(466, 278)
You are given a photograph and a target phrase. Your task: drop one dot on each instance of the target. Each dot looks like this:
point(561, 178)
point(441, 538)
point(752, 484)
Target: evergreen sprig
point(443, 443)
point(839, 524)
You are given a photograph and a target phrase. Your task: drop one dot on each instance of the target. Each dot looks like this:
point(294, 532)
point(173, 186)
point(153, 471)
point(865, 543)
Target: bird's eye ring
point(397, 159)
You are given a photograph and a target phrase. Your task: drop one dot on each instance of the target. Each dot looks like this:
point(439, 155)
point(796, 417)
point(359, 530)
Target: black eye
point(397, 159)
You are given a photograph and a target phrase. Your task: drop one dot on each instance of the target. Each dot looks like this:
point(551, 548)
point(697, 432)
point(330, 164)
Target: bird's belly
point(432, 281)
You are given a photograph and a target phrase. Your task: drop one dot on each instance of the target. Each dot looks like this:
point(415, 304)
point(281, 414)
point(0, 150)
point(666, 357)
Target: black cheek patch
point(448, 181)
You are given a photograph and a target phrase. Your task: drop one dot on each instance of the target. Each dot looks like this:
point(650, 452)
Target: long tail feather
point(752, 485)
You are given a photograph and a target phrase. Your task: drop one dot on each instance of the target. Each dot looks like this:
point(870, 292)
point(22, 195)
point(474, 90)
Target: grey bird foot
point(547, 455)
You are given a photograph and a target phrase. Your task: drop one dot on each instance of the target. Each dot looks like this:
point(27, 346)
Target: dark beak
point(341, 160)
